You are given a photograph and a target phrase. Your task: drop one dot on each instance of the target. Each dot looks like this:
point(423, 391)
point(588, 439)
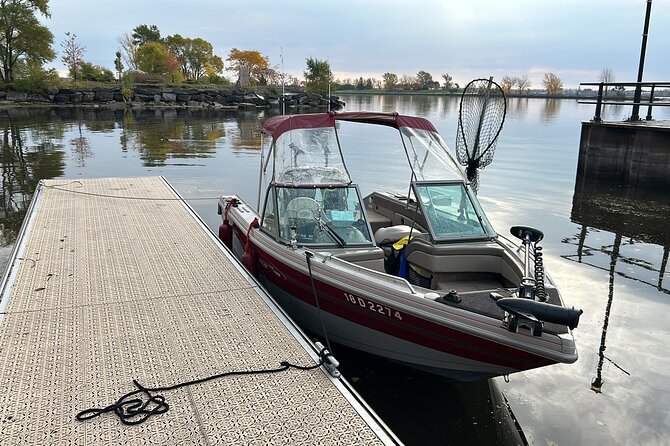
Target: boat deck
point(117, 279)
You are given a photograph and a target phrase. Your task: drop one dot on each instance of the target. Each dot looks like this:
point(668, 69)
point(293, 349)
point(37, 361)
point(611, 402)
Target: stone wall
point(162, 96)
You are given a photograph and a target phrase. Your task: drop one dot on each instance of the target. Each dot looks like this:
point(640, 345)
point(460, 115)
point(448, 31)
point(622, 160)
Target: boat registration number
point(372, 306)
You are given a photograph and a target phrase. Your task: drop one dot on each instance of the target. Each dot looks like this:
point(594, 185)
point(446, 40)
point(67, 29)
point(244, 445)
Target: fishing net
point(480, 119)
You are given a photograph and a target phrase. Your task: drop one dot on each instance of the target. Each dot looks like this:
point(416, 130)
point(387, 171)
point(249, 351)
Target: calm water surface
point(606, 247)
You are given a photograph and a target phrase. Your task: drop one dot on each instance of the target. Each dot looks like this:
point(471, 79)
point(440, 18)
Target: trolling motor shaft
point(528, 236)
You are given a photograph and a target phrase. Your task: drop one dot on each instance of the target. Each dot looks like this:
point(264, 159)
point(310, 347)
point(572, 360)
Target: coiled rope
point(139, 405)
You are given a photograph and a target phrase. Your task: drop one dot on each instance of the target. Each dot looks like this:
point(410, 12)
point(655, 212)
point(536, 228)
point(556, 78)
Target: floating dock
point(117, 279)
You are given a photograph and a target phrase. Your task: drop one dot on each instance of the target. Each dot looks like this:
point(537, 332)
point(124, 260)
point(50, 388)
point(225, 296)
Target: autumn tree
point(251, 61)
point(552, 84)
point(145, 33)
point(448, 81)
point(196, 57)
point(73, 54)
point(318, 76)
point(152, 57)
point(22, 37)
point(507, 83)
point(390, 81)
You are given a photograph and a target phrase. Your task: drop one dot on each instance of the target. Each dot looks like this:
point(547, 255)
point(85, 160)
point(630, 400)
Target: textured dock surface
point(116, 280)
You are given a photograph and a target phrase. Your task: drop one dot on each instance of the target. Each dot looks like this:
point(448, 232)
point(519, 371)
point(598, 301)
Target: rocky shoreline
point(164, 96)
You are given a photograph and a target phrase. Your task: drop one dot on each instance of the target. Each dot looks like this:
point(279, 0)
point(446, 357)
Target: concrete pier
point(117, 279)
point(628, 153)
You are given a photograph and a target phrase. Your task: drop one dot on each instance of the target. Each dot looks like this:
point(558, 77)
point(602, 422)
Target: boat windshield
point(330, 216)
point(309, 156)
point(451, 212)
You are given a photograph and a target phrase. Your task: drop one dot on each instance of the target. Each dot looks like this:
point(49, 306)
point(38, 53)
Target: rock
point(148, 91)
point(76, 97)
point(104, 95)
point(52, 90)
point(87, 96)
point(183, 97)
point(246, 106)
point(16, 96)
point(169, 97)
point(61, 98)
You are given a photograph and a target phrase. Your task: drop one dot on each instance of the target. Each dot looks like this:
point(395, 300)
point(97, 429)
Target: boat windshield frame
point(448, 226)
point(320, 216)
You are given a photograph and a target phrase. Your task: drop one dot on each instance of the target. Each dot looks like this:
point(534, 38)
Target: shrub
point(127, 93)
point(36, 79)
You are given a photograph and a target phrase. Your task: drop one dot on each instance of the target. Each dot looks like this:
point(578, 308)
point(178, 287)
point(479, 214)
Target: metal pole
point(651, 102)
point(635, 116)
point(599, 105)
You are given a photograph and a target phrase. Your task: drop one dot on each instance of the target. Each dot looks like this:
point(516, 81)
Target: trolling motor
point(530, 309)
point(531, 287)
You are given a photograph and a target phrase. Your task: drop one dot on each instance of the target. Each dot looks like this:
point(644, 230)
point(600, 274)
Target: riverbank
point(138, 96)
point(459, 92)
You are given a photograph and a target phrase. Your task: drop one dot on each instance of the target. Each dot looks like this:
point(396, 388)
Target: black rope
point(139, 405)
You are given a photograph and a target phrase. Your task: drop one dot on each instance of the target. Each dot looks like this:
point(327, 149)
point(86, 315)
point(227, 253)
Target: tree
point(408, 83)
point(22, 37)
point(252, 61)
point(152, 57)
point(607, 76)
point(552, 84)
point(318, 76)
point(522, 83)
point(195, 56)
point(424, 79)
point(118, 65)
point(90, 72)
point(506, 84)
point(129, 50)
point(390, 80)
point(448, 81)
point(73, 54)
point(146, 33)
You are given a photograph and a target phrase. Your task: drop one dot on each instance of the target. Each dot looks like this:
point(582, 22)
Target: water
point(606, 247)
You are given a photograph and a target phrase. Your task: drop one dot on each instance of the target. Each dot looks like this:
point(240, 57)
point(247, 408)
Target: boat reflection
point(633, 217)
point(422, 408)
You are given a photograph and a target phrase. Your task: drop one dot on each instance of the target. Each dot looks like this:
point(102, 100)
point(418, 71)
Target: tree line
point(145, 55)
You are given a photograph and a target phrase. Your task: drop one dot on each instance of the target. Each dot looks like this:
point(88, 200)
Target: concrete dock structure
point(117, 279)
point(628, 153)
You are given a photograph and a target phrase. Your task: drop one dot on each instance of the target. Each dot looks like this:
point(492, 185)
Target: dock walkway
point(117, 279)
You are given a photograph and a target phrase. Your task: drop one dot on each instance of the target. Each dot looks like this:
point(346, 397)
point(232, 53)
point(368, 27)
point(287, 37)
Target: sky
point(575, 39)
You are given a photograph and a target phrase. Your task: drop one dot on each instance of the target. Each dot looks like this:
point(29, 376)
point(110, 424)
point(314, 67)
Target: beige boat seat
point(392, 234)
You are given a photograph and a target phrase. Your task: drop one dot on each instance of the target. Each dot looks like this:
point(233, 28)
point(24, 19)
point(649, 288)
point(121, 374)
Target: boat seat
point(392, 234)
point(459, 257)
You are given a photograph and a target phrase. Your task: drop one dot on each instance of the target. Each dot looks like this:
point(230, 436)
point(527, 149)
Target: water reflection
point(28, 155)
point(164, 135)
point(551, 109)
point(634, 217)
point(424, 409)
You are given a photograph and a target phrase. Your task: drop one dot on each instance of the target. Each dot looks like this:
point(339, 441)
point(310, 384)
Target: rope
point(248, 246)
point(308, 256)
point(226, 210)
point(123, 197)
point(139, 405)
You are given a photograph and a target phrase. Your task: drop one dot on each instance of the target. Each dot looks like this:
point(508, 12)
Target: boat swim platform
point(118, 279)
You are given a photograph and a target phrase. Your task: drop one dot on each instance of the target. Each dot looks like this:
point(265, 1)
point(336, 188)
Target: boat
point(419, 277)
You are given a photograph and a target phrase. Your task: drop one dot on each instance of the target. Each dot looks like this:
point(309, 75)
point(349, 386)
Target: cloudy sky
point(575, 39)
